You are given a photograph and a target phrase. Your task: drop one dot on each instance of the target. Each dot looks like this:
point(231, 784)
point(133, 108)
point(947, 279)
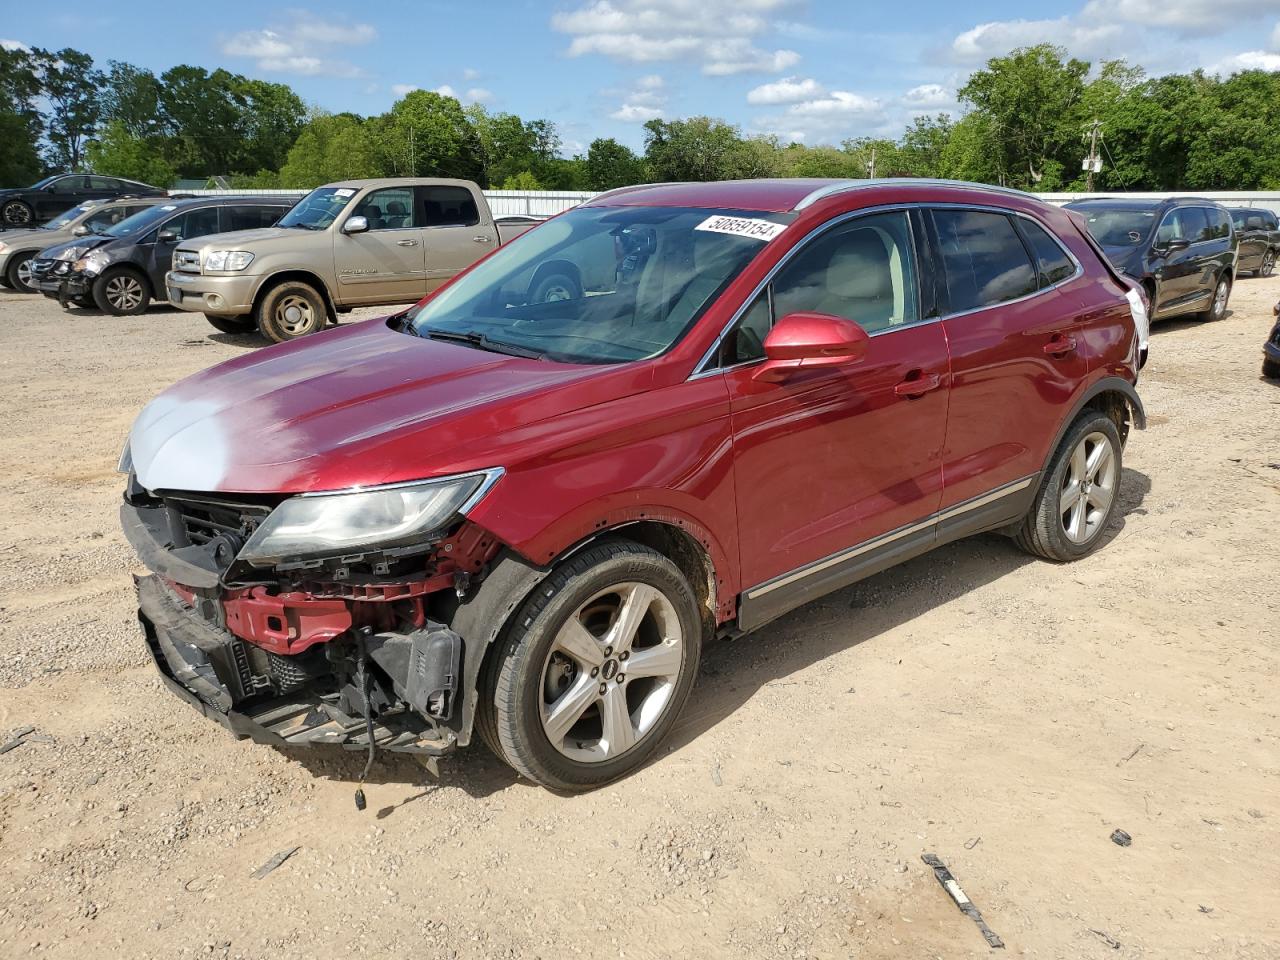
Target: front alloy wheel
point(121, 293)
point(594, 669)
point(15, 213)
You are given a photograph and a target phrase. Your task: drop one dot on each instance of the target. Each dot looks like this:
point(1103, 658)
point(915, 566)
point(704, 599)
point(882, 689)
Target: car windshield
point(68, 218)
point(140, 222)
point(599, 284)
point(43, 183)
point(318, 209)
point(1119, 226)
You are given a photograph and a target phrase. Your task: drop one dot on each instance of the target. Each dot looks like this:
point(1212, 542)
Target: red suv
point(524, 518)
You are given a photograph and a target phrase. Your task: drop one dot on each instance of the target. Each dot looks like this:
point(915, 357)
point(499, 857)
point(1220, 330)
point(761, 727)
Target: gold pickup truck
point(353, 244)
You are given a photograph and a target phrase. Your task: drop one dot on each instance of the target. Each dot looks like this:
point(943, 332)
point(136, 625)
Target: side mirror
point(808, 341)
point(355, 225)
point(168, 236)
point(51, 188)
point(80, 231)
point(1173, 246)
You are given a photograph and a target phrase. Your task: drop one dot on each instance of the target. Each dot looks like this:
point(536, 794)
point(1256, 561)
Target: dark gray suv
point(1182, 250)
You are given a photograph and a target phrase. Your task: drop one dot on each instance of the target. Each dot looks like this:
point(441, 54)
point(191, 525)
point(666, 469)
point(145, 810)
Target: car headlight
point(91, 264)
point(3, 246)
point(228, 260)
point(336, 524)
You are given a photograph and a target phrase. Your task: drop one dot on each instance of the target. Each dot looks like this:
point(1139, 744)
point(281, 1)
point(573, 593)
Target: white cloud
point(997, 38)
point(929, 95)
point(471, 74)
point(837, 103)
point(720, 34)
point(652, 81)
point(12, 45)
point(478, 95)
point(645, 101)
point(400, 89)
point(636, 113)
point(786, 90)
point(1214, 16)
point(1249, 60)
point(446, 91)
point(301, 46)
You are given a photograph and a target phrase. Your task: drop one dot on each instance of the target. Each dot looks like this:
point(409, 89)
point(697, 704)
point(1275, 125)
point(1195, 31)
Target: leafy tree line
point(1024, 124)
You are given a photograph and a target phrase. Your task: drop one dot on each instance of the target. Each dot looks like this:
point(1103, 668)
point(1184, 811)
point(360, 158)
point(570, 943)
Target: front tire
point(1221, 294)
point(555, 287)
point(122, 293)
point(234, 325)
point(15, 213)
point(291, 310)
point(17, 273)
point(594, 669)
point(1078, 495)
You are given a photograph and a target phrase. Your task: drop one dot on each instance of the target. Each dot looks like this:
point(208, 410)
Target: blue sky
point(814, 70)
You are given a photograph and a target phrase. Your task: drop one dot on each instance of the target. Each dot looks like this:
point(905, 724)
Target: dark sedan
point(25, 207)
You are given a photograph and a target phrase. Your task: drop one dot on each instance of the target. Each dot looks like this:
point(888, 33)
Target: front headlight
point(3, 246)
point(336, 524)
point(228, 260)
point(91, 264)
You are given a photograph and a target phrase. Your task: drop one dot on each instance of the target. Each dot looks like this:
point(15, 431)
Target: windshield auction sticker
point(742, 227)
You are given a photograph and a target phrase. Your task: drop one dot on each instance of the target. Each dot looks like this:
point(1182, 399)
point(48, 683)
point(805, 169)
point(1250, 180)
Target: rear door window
point(1051, 260)
point(448, 207)
point(249, 218)
point(983, 259)
point(1193, 224)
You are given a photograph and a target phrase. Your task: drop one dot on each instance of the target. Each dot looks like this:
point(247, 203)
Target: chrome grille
point(186, 261)
point(205, 518)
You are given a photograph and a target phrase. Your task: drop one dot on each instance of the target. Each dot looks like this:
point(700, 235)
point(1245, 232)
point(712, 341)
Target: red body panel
point(766, 475)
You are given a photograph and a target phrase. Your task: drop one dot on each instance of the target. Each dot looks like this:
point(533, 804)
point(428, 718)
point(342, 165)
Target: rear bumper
point(203, 665)
point(221, 295)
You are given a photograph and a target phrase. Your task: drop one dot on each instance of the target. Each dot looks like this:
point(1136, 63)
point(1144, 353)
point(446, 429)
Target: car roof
point(402, 182)
point(1140, 203)
point(220, 200)
point(778, 195)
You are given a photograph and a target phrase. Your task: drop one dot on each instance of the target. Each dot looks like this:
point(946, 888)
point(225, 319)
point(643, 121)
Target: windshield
point(69, 217)
point(1119, 226)
point(140, 222)
point(599, 284)
point(318, 209)
point(43, 183)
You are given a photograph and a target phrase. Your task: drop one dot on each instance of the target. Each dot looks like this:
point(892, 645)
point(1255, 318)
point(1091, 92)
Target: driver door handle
point(918, 386)
point(482, 239)
point(407, 243)
point(1060, 346)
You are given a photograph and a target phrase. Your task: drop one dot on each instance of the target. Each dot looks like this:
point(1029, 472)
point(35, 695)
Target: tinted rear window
point(449, 207)
point(1052, 261)
point(983, 258)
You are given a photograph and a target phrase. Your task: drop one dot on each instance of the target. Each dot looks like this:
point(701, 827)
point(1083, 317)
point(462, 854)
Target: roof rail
point(844, 186)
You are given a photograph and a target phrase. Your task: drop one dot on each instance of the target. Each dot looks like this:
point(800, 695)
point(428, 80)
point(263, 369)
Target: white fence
point(544, 203)
point(503, 203)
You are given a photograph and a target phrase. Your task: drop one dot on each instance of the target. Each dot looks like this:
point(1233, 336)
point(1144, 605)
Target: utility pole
point(871, 165)
point(1093, 162)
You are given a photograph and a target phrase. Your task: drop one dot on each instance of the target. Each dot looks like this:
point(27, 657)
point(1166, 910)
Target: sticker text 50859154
point(762, 230)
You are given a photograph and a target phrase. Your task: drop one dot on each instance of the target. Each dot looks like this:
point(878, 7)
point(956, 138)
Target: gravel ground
point(1004, 713)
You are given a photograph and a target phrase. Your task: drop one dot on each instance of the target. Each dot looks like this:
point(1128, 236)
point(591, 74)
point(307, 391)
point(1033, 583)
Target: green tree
point(699, 148)
point(924, 145)
point(426, 134)
point(610, 164)
point(271, 118)
point(338, 147)
point(132, 98)
point(524, 180)
point(70, 85)
point(119, 153)
point(19, 119)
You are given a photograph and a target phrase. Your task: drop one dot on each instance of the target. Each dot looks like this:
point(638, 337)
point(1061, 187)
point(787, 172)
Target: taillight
point(1141, 320)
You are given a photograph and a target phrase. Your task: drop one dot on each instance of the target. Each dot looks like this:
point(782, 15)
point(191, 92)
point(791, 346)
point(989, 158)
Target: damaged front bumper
point(210, 668)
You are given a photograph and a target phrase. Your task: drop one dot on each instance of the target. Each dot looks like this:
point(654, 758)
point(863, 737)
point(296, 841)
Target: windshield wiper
point(482, 341)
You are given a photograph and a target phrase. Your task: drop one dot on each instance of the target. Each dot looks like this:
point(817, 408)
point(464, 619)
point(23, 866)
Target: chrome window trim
point(817, 566)
point(701, 369)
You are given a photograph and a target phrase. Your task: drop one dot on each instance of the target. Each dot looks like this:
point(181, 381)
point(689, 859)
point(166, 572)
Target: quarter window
point(983, 258)
point(863, 271)
point(389, 209)
point(249, 218)
point(1051, 260)
point(449, 207)
point(194, 223)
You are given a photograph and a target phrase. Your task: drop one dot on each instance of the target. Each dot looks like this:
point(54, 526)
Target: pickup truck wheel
point(122, 293)
point(291, 310)
point(232, 325)
point(15, 213)
point(17, 274)
point(554, 287)
point(1268, 266)
point(595, 667)
point(1077, 497)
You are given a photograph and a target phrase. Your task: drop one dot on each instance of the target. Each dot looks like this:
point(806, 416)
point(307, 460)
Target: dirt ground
point(1004, 713)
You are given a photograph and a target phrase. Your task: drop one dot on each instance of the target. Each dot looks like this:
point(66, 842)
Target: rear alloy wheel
point(291, 310)
point(1221, 294)
point(15, 213)
point(1078, 496)
point(122, 293)
point(233, 325)
point(595, 669)
point(17, 273)
point(1268, 266)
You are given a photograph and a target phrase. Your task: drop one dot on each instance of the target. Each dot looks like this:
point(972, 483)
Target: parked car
point(1271, 349)
point(24, 208)
point(357, 243)
point(122, 269)
point(525, 519)
point(1182, 250)
point(19, 247)
point(1259, 233)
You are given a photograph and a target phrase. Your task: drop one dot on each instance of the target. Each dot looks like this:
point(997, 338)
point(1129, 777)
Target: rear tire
point(1268, 265)
point(1218, 307)
point(291, 310)
point(1271, 368)
point(555, 287)
point(15, 213)
point(558, 704)
point(122, 292)
point(233, 325)
point(17, 273)
point(1079, 492)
